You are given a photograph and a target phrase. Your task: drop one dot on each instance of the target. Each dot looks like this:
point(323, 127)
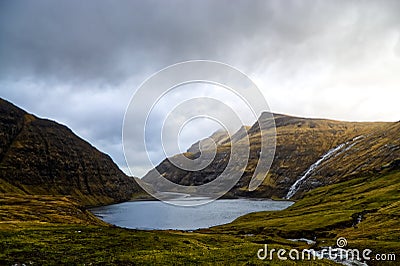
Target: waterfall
point(295, 187)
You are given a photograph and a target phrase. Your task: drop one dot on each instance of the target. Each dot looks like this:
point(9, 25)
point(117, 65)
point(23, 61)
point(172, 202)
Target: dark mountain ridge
point(42, 157)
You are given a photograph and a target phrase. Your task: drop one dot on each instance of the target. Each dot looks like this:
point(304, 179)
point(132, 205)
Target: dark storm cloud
point(79, 61)
point(108, 41)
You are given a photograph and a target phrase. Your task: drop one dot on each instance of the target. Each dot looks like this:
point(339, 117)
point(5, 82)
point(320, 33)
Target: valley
point(349, 176)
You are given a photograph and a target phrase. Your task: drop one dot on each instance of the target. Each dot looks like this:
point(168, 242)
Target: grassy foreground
point(83, 242)
point(79, 245)
point(54, 231)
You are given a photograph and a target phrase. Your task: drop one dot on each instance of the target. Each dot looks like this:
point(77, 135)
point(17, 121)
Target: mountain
point(311, 152)
point(42, 157)
point(354, 168)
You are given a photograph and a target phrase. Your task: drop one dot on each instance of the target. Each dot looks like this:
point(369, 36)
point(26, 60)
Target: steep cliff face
point(39, 156)
point(300, 143)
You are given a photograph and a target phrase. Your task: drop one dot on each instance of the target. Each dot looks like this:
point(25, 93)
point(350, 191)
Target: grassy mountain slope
point(42, 157)
point(300, 143)
point(26, 210)
point(373, 153)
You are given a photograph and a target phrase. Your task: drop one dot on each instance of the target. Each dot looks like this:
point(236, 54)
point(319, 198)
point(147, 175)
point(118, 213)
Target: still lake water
point(150, 215)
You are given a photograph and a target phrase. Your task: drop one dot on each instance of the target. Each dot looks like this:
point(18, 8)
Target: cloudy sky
point(79, 62)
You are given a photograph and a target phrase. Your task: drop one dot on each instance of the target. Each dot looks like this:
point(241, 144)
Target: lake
point(151, 215)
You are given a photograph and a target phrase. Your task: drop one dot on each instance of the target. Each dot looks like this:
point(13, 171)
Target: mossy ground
point(330, 212)
point(82, 245)
point(28, 235)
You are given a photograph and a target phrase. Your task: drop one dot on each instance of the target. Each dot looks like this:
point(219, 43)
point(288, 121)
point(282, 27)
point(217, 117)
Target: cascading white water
point(295, 187)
